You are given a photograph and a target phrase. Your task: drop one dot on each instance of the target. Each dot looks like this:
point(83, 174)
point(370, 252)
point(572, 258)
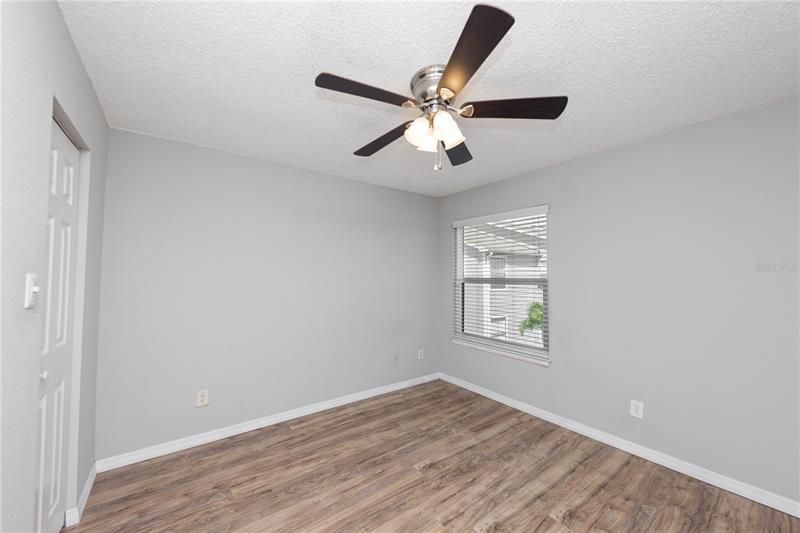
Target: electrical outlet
point(202, 398)
point(396, 359)
point(421, 354)
point(637, 409)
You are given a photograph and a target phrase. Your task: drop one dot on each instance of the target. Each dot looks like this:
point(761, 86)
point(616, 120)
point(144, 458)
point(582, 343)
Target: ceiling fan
point(436, 87)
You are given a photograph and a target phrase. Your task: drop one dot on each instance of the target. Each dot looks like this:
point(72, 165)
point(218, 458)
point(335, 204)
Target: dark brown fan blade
point(458, 155)
point(343, 85)
point(548, 108)
point(485, 27)
point(384, 140)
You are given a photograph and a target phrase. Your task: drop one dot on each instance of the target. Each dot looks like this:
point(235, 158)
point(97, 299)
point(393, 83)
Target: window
point(500, 283)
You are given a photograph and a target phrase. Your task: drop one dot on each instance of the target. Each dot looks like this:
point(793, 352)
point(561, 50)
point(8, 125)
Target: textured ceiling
point(240, 76)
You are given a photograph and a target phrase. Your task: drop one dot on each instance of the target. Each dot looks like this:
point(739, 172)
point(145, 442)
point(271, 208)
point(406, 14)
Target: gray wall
point(661, 290)
point(270, 286)
point(40, 63)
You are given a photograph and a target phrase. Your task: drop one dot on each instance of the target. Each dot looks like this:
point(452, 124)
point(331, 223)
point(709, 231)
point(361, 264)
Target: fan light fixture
point(426, 133)
point(435, 89)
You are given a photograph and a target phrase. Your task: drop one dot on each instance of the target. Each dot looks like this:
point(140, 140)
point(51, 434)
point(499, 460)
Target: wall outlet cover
point(637, 409)
point(396, 359)
point(202, 398)
point(421, 354)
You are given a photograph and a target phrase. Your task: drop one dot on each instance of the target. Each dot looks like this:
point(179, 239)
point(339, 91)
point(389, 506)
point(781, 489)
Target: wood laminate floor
point(430, 458)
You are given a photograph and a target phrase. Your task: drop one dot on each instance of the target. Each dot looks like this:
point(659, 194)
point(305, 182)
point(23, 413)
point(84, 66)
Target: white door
point(57, 305)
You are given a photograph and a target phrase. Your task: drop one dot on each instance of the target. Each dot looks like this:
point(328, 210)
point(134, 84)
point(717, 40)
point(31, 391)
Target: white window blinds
point(500, 283)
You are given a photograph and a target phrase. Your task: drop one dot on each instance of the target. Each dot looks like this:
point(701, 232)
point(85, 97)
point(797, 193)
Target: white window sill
point(500, 351)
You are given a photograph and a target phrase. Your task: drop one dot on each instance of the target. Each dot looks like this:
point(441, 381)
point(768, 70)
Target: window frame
point(540, 356)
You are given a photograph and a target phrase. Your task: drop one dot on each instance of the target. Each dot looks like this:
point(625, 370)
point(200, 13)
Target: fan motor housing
point(425, 82)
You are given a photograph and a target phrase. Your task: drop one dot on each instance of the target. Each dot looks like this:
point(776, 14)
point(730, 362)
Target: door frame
point(72, 429)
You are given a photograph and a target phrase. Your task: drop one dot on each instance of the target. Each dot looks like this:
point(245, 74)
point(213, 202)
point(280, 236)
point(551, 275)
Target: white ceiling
point(240, 76)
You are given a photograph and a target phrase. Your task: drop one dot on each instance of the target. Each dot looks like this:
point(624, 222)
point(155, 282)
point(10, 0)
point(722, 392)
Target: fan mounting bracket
point(425, 84)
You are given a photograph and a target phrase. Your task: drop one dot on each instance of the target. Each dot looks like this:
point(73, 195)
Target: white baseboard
point(74, 514)
point(109, 463)
point(770, 499)
point(756, 494)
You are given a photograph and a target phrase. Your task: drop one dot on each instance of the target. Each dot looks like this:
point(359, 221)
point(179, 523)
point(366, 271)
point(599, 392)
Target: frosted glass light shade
point(426, 138)
point(418, 131)
point(446, 130)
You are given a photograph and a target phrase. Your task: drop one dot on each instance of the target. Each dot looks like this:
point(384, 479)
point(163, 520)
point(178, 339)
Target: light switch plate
point(32, 289)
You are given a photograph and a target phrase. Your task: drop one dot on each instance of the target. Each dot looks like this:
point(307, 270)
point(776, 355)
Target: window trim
point(492, 217)
point(543, 360)
point(526, 354)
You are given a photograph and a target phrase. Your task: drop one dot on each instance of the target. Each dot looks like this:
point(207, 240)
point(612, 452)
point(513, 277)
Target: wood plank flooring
point(430, 458)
